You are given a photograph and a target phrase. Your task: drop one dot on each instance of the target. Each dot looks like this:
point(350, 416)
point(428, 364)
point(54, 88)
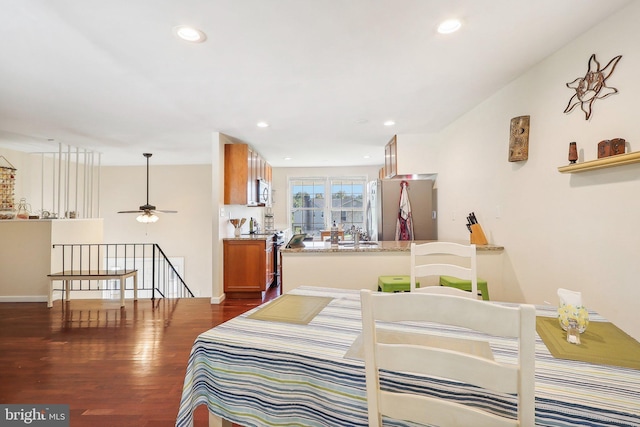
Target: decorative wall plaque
point(604, 148)
point(519, 139)
point(618, 146)
point(592, 86)
point(612, 147)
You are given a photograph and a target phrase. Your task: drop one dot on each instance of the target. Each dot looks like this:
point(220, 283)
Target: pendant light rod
point(147, 155)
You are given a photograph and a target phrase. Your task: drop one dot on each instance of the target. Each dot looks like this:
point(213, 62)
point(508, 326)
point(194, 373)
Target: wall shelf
point(605, 162)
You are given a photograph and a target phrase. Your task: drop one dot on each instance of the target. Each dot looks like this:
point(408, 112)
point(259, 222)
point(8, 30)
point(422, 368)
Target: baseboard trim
point(24, 298)
point(218, 300)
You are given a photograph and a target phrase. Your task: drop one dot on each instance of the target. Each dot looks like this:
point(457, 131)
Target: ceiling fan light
point(147, 217)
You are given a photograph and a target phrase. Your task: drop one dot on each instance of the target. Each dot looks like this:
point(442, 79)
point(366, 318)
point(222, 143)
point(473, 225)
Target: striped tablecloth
point(262, 373)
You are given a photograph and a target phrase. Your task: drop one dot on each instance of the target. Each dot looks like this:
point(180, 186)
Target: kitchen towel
point(404, 225)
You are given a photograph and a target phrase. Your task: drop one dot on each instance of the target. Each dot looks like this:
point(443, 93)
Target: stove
point(278, 241)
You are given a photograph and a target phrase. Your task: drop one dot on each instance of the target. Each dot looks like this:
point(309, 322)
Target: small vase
point(573, 152)
point(23, 209)
point(567, 314)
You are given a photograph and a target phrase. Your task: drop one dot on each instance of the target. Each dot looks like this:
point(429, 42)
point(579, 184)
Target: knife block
point(477, 235)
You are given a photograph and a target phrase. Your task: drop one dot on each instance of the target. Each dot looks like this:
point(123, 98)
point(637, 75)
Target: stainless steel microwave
point(263, 192)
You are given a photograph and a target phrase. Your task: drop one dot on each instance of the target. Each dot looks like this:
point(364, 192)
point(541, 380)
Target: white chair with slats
point(470, 273)
point(458, 363)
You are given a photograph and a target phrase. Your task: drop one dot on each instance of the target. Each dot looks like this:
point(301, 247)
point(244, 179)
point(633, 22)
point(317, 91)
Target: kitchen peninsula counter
point(386, 246)
point(318, 264)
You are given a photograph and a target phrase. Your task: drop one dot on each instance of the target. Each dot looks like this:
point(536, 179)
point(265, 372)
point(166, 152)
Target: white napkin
point(568, 297)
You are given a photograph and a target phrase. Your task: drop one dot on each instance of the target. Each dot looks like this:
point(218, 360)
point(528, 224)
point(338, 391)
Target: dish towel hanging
point(404, 225)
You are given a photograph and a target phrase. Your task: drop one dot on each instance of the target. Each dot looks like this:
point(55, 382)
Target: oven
point(278, 241)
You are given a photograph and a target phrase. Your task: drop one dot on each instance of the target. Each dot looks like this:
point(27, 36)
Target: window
point(307, 205)
point(347, 202)
point(310, 212)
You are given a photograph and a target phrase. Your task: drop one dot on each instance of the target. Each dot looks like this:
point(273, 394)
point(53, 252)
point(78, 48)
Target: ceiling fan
point(147, 212)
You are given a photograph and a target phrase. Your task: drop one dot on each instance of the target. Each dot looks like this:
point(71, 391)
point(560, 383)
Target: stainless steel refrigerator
point(383, 204)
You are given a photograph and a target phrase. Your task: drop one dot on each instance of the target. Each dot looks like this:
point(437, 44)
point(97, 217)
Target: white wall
point(26, 254)
point(408, 144)
point(188, 233)
point(559, 230)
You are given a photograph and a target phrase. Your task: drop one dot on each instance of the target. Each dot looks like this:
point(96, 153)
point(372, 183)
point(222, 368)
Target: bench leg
point(67, 289)
point(135, 286)
point(122, 283)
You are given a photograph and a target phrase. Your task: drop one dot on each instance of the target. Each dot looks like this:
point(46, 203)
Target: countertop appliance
point(383, 205)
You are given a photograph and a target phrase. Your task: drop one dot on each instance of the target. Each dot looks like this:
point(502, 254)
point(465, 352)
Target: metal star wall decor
point(592, 86)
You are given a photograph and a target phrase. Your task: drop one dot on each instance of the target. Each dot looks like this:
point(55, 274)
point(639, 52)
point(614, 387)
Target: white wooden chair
point(443, 361)
point(440, 269)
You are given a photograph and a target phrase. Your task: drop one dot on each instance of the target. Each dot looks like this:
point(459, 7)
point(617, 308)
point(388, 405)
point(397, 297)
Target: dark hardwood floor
point(114, 367)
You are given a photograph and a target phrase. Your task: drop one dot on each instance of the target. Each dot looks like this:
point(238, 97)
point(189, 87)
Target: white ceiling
point(110, 76)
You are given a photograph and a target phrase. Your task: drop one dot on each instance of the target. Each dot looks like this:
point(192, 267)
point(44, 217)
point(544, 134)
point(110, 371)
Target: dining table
point(297, 361)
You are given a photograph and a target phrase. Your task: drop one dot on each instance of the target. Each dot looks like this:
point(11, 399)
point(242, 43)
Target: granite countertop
point(385, 246)
point(251, 237)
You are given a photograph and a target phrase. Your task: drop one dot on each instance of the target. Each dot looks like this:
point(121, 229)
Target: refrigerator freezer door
point(421, 196)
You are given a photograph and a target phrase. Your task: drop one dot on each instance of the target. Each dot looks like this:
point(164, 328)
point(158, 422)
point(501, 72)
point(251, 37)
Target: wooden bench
point(66, 277)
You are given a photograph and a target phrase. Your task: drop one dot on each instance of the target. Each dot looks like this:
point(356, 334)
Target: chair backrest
point(421, 268)
point(446, 290)
point(458, 364)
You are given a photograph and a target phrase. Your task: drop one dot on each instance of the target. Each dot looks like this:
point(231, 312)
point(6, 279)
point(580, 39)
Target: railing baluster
point(153, 273)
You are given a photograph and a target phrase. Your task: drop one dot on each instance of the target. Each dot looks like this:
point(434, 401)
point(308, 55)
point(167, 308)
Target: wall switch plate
point(222, 213)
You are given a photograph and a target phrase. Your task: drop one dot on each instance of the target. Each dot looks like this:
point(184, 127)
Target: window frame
point(328, 210)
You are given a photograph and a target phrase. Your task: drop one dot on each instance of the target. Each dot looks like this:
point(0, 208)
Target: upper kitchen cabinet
point(410, 154)
point(244, 169)
point(391, 158)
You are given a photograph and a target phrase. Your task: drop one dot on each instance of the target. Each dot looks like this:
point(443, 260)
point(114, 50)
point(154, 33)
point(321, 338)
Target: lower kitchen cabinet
point(248, 267)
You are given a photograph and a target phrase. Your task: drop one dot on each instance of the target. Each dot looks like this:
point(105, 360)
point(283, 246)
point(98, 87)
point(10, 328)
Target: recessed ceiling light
point(366, 156)
point(287, 158)
point(189, 34)
point(389, 123)
point(262, 124)
point(449, 26)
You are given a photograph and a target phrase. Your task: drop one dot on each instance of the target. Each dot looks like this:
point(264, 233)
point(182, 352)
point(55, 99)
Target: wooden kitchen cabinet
point(391, 158)
point(243, 167)
point(248, 267)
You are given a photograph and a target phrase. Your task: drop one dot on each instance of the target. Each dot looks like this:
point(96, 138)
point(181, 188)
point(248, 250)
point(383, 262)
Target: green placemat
point(299, 309)
point(602, 343)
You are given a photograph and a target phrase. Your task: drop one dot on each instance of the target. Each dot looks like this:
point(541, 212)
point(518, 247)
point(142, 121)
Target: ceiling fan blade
point(165, 211)
point(138, 211)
